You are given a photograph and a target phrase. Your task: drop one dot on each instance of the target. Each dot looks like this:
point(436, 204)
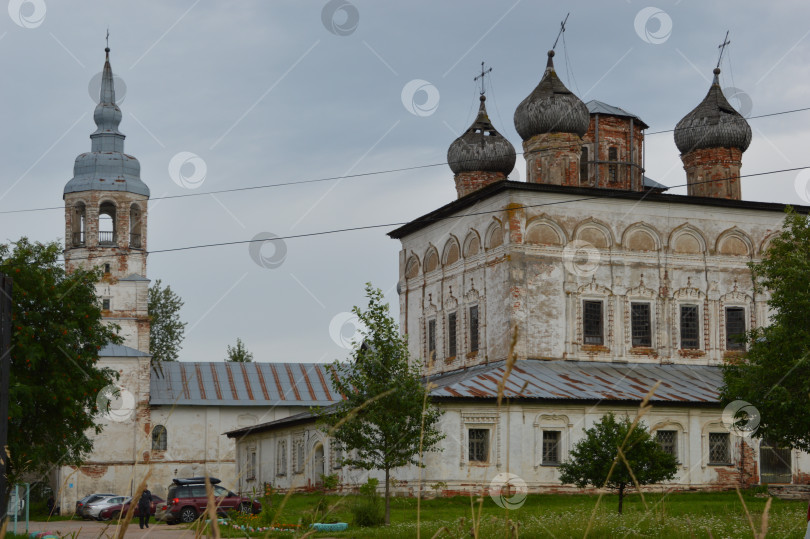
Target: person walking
point(144, 507)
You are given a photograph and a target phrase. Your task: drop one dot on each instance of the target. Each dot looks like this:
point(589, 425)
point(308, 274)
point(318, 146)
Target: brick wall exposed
point(467, 182)
point(713, 172)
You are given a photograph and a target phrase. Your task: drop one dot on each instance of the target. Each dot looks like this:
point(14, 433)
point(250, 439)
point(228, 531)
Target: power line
point(601, 196)
point(358, 175)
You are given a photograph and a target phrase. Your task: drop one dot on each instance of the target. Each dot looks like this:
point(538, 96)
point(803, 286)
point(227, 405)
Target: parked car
point(115, 511)
point(187, 499)
point(93, 508)
point(87, 499)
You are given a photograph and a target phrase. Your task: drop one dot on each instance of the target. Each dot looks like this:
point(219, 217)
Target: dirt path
point(89, 529)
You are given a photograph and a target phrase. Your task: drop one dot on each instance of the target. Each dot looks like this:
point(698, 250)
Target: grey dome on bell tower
point(106, 167)
point(481, 148)
point(551, 108)
point(714, 123)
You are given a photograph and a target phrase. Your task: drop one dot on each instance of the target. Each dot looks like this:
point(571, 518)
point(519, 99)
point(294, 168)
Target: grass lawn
point(676, 515)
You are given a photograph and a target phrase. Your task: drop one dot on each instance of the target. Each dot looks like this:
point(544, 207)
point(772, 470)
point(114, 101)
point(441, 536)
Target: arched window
point(78, 224)
point(106, 224)
point(135, 226)
point(160, 438)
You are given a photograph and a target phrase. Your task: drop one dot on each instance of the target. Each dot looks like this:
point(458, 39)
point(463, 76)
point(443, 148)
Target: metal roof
point(599, 107)
point(119, 350)
point(242, 384)
point(586, 381)
point(652, 184)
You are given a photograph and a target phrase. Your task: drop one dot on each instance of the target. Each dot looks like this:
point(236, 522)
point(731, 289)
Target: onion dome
point(713, 124)
point(481, 148)
point(551, 108)
point(106, 167)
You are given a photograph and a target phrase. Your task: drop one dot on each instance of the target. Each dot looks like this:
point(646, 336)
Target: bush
point(367, 509)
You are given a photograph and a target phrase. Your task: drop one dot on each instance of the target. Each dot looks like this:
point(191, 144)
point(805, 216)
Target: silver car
point(95, 507)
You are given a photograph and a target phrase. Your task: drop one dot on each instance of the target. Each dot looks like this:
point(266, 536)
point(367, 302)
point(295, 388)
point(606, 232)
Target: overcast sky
point(225, 95)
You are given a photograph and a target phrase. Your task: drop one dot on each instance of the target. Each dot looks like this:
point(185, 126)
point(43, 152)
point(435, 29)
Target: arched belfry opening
point(135, 226)
point(78, 224)
point(107, 224)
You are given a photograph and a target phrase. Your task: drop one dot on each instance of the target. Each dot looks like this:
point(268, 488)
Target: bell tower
point(105, 221)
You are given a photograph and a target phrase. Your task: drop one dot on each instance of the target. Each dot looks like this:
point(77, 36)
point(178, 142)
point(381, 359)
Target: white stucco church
point(609, 284)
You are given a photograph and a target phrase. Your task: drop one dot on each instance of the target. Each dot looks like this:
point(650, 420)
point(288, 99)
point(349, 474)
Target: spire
point(106, 167)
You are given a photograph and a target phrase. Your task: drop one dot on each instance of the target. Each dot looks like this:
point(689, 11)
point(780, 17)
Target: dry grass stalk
point(643, 408)
point(510, 362)
point(764, 524)
point(747, 513)
point(121, 526)
point(440, 530)
point(421, 443)
point(633, 477)
point(212, 507)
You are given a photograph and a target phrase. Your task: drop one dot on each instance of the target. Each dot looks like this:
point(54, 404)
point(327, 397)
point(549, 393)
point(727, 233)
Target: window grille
point(735, 328)
point(719, 450)
point(668, 439)
point(592, 322)
point(479, 445)
point(551, 447)
point(474, 328)
point(451, 335)
point(613, 167)
point(281, 458)
point(641, 324)
point(690, 331)
point(160, 438)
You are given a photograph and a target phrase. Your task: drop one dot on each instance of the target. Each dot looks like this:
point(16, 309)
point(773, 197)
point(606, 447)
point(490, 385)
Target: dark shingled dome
point(551, 108)
point(713, 124)
point(481, 148)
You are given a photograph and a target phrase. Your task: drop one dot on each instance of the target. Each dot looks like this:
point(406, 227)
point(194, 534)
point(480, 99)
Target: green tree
point(166, 330)
point(774, 374)
point(54, 384)
point(385, 418)
point(239, 353)
point(592, 458)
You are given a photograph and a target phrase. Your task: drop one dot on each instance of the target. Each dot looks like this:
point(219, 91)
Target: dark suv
point(187, 500)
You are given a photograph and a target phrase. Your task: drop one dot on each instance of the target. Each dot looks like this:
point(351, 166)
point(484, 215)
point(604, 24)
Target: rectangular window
point(551, 447)
point(431, 340)
point(451, 335)
point(299, 457)
point(583, 165)
point(338, 464)
point(668, 440)
point(250, 465)
point(641, 324)
point(690, 330)
point(719, 448)
point(613, 168)
point(474, 328)
point(105, 304)
point(281, 458)
point(735, 328)
point(592, 322)
point(479, 445)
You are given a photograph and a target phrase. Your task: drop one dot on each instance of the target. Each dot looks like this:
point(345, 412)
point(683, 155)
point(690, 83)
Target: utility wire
point(601, 196)
point(359, 175)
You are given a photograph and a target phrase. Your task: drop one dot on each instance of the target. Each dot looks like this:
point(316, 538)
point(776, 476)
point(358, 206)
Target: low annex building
point(606, 284)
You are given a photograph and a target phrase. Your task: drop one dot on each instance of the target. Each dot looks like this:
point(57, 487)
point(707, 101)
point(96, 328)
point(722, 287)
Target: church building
point(583, 287)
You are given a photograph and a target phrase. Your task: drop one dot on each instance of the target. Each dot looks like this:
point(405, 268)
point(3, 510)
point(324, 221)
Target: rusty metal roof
point(584, 381)
point(242, 384)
